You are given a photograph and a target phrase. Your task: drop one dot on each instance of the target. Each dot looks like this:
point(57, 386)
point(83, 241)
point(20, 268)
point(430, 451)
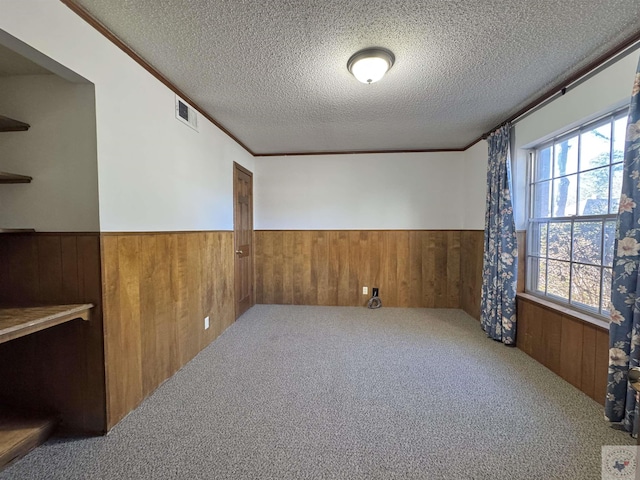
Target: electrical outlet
point(206, 323)
point(365, 290)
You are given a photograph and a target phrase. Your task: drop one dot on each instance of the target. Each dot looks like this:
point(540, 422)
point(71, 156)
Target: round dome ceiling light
point(370, 65)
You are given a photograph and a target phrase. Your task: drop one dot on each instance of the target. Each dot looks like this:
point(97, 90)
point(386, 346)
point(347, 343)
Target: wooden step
point(20, 433)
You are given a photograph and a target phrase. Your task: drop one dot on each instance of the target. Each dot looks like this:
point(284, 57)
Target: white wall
point(157, 174)
point(58, 151)
point(421, 191)
point(361, 191)
point(605, 91)
point(475, 187)
point(154, 172)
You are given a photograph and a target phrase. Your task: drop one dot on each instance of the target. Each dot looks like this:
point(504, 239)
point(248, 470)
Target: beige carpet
point(292, 392)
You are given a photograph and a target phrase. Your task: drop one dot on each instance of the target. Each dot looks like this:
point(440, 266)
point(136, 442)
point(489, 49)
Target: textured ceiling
point(274, 73)
point(12, 63)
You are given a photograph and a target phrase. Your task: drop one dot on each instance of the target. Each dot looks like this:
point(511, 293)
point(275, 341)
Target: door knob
point(239, 252)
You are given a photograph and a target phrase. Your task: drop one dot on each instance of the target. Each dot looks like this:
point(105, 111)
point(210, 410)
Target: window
point(575, 183)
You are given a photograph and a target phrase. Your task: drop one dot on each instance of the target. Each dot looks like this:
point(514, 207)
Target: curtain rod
point(599, 64)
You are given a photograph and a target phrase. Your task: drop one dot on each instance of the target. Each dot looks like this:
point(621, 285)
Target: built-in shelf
point(21, 433)
point(18, 322)
point(14, 178)
point(10, 125)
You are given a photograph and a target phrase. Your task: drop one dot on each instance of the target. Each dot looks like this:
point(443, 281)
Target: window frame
point(533, 255)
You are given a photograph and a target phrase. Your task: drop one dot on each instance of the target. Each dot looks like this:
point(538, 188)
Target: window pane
point(543, 239)
point(538, 239)
point(542, 203)
point(586, 242)
point(609, 240)
point(594, 192)
point(566, 157)
point(558, 279)
point(595, 147)
point(564, 196)
point(619, 133)
point(606, 290)
point(537, 274)
point(560, 240)
point(585, 286)
point(543, 164)
point(616, 187)
point(575, 194)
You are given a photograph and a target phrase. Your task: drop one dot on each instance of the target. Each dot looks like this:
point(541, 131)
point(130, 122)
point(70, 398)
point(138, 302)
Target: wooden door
point(243, 237)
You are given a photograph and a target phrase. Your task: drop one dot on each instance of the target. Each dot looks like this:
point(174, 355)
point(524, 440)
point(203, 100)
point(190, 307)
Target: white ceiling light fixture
point(370, 65)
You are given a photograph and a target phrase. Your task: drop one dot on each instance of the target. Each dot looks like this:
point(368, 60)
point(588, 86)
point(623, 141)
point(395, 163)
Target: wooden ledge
point(17, 230)
point(6, 177)
point(18, 322)
point(563, 310)
point(10, 125)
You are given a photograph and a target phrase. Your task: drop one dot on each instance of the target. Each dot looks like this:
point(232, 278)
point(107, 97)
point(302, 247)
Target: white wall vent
point(186, 113)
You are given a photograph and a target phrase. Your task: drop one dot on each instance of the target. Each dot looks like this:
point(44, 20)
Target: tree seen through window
point(575, 188)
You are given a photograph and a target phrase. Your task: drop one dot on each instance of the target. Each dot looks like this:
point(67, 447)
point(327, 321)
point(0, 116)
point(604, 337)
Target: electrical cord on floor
point(374, 301)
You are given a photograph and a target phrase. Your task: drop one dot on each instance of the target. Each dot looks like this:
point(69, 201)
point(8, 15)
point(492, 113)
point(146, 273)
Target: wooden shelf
point(16, 230)
point(10, 125)
point(18, 322)
point(19, 434)
point(14, 178)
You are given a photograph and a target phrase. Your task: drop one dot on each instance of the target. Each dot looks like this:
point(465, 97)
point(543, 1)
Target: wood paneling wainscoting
point(417, 268)
point(157, 289)
point(569, 347)
point(472, 248)
point(61, 369)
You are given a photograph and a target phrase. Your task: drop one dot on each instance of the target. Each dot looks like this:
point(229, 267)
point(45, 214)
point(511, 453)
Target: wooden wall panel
point(571, 348)
point(550, 343)
point(411, 268)
point(59, 370)
point(571, 351)
point(471, 256)
point(601, 365)
point(157, 290)
point(588, 355)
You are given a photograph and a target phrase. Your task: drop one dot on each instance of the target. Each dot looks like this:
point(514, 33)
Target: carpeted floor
point(291, 392)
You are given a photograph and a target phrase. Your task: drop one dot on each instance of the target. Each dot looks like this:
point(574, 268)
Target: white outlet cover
point(365, 290)
point(206, 323)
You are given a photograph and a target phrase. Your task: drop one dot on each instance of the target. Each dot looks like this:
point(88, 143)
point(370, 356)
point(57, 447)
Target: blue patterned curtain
point(500, 268)
point(624, 329)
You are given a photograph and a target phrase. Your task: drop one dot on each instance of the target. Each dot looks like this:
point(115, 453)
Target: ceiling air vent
point(186, 113)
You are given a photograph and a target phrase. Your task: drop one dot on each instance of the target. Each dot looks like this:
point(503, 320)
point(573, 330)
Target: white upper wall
point(607, 90)
point(58, 151)
point(475, 185)
point(154, 172)
point(360, 191)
